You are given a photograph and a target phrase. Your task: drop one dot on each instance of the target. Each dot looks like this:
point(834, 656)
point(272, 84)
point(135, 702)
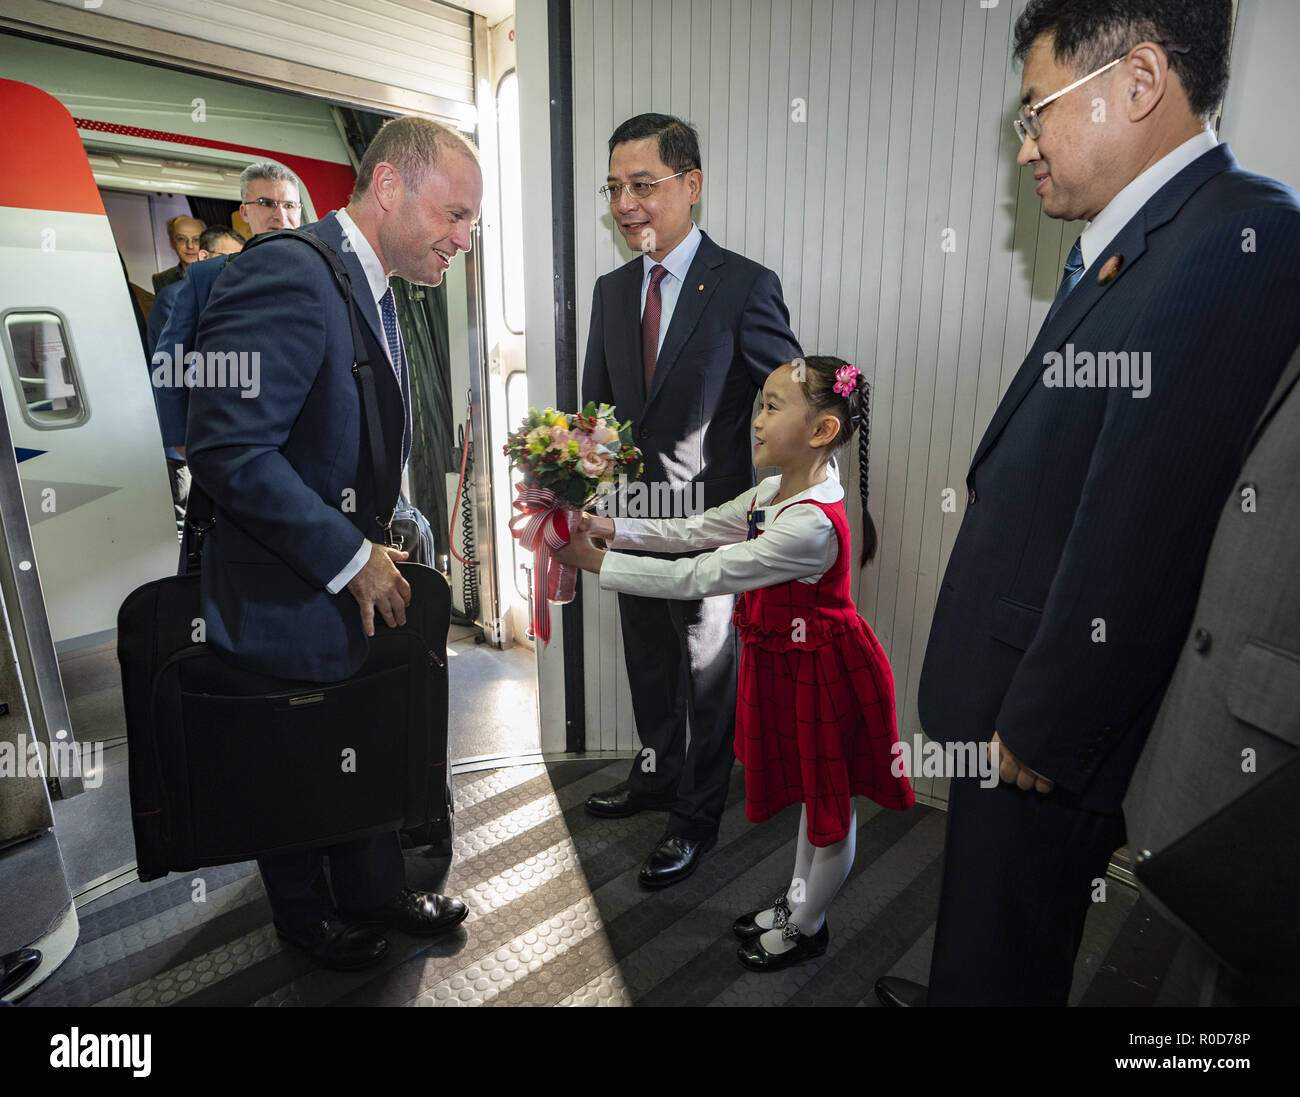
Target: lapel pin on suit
point(1109, 269)
point(701, 285)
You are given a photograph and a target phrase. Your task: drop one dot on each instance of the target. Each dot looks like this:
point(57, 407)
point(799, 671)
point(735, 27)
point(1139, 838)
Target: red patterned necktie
point(650, 324)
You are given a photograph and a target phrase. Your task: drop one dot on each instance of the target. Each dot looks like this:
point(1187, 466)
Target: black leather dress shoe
point(15, 967)
point(893, 991)
point(619, 802)
point(419, 913)
point(338, 944)
point(745, 927)
point(674, 860)
point(755, 957)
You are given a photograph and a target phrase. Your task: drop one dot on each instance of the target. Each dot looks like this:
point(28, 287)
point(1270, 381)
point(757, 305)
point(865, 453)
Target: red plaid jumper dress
point(815, 714)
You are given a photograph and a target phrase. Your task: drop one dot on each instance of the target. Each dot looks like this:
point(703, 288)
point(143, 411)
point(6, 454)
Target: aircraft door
point(76, 388)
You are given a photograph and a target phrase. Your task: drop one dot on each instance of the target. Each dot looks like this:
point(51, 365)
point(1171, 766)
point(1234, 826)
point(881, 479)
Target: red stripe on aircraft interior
point(329, 184)
point(45, 164)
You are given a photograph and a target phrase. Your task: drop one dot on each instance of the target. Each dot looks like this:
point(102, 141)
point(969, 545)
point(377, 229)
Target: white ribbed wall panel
point(417, 45)
point(908, 134)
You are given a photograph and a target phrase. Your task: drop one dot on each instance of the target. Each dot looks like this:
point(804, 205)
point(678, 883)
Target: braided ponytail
point(854, 413)
point(863, 394)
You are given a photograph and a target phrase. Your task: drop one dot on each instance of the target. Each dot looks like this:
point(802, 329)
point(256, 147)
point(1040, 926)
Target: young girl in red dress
point(815, 721)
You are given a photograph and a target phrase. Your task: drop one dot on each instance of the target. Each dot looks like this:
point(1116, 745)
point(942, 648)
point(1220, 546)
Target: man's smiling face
point(1071, 161)
point(659, 222)
point(430, 225)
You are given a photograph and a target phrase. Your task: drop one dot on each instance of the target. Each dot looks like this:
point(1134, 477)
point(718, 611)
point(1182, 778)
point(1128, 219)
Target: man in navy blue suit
point(1094, 492)
point(293, 571)
point(216, 242)
point(269, 200)
point(681, 340)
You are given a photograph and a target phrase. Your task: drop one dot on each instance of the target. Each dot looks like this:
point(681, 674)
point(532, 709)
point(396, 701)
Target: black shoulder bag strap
point(200, 512)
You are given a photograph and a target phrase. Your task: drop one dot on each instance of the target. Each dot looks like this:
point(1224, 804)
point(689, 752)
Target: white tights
point(819, 873)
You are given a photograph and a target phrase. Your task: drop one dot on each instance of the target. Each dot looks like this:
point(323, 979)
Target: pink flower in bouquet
point(602, 435)
point(560, 438)
point(592, 462)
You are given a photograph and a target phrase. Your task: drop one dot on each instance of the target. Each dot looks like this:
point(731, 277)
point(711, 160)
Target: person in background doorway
point(184, 233)
point(269, 198)
point(217, 240)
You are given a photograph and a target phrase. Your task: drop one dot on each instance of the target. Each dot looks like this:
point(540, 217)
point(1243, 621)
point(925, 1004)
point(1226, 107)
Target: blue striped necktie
point(388, 311)
point(1070, 279)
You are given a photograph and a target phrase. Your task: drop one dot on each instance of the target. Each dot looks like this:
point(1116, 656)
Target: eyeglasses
point(640, 189)
point(1029, 125)
point(271, 203)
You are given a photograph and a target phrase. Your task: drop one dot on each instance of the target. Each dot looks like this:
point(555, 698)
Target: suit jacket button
point(971, 497)
point(1201, 640)
point(643, 433)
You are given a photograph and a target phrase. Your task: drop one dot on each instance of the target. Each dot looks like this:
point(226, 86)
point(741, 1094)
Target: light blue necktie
point(388, 312)
point(1070, 279)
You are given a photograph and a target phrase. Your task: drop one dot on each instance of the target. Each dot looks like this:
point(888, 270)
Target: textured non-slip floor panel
point(557, 918)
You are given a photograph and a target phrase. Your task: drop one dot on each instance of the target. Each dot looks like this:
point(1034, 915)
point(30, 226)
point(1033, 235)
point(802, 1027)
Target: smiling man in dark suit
point(293, 575)
point(681, 340)
point(1093, 494)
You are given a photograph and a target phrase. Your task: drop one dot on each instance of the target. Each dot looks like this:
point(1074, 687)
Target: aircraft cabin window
point(41, 358)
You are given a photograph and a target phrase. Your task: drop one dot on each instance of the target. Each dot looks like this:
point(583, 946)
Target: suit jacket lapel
point(329, 230)
point(629, 325)
point(702, 278)
point(1130, 244)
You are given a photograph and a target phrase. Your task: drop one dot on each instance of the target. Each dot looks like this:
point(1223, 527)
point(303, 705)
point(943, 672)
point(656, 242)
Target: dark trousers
point(365, 873)
point(682, 661)
point(1018, 880)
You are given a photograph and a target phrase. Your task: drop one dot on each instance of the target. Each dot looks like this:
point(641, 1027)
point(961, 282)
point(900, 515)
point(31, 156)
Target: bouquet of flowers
point(567, 461)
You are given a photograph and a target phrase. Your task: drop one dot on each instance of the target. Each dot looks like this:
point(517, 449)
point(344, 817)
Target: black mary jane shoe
point(746, 928)
point(755, 957)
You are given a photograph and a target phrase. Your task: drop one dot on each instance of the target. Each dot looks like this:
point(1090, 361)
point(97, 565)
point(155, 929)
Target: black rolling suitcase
point(227, 764)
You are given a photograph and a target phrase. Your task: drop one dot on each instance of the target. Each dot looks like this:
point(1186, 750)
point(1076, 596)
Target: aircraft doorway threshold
point(494, 686)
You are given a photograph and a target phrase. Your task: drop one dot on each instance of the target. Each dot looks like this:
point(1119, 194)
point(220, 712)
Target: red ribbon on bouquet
point(545, 528)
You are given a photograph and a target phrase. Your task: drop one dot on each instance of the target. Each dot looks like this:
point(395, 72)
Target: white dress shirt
point(1119, 211)
point(796, 543)
point(677, 262)
point(377, 279)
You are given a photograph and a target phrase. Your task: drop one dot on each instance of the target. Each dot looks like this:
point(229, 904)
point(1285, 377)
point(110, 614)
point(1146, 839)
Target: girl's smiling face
point(781, 428)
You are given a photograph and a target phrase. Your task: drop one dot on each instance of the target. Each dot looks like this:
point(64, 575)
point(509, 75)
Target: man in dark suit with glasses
point(1093, 495)
point(681, 340)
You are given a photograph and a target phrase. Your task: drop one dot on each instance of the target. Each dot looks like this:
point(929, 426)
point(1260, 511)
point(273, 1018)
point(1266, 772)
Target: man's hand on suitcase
point(380, 586)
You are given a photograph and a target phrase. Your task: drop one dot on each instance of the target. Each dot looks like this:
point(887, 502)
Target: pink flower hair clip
point(846, 380)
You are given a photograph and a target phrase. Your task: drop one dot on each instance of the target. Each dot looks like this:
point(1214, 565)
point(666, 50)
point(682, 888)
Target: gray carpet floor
point(556, 918)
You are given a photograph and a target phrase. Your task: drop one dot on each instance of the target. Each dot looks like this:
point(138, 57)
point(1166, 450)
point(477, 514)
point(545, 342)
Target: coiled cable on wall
point(470, 596)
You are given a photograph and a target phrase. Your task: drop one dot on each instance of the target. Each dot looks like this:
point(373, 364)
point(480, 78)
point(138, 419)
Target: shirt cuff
point(615, 574)
point(350, 569)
